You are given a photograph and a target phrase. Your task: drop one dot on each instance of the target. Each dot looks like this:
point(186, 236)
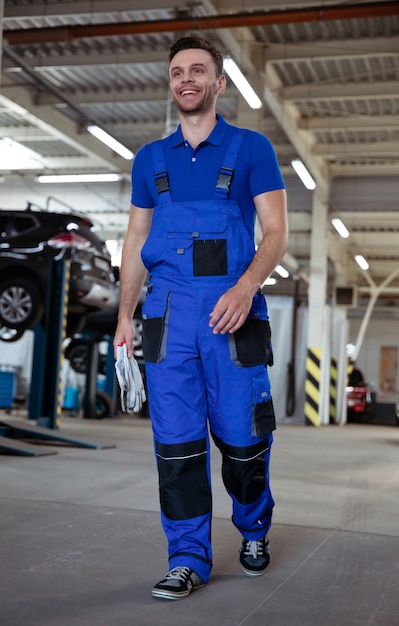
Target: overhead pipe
point(26, 36)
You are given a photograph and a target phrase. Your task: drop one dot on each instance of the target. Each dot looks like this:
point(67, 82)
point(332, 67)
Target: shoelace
point(254, 548)
point(179, 573)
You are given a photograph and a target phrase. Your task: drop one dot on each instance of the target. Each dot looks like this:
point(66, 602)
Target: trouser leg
point(245, 473)
point(179, 419)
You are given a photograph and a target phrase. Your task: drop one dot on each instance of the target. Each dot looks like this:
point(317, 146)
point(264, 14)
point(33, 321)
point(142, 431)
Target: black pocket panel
point(210, 257)
point(253, 343)
point(153, 330)
point(264, 419)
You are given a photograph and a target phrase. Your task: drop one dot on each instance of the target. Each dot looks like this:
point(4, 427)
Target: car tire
point(77, 353)
point(20, 303)
point(103, 404)
point(10, 334)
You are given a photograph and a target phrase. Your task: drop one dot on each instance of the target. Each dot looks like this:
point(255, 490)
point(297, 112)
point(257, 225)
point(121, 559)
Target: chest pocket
point(204, 245)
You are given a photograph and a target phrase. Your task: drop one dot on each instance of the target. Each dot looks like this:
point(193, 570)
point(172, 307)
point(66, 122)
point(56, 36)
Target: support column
point(318, 361)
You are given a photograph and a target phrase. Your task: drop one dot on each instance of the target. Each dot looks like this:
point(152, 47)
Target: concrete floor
point(81, 542)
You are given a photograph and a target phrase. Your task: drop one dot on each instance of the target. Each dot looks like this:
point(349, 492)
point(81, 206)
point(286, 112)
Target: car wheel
point(77, 355)
point(10, 334)
point(20, 303)
point(103, 404)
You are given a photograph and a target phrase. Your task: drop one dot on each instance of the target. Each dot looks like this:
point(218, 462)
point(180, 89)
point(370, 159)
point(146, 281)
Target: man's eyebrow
point(178, 67)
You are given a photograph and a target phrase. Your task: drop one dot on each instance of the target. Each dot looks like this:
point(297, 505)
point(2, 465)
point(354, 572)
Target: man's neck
point(197, 128)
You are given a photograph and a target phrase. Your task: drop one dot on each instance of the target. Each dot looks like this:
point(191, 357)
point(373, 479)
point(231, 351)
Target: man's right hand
point(124, 334)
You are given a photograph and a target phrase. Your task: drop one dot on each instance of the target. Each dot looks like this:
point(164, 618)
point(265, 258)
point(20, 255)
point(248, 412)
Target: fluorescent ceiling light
point(14, 156)
point(78, 178)
point(340, 227)
point(282, 271)
point(361, 261)
point(269, 281)
point(303, 174)
point(109, 141)
point(242, 84)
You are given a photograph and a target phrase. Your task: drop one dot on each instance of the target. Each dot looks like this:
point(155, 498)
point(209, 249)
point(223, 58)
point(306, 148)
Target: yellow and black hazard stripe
point(312, 386)
point(333, 391)
point(64, 317)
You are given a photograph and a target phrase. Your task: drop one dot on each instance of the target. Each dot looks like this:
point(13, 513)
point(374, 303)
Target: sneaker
point(177, 584)
point(254, 556)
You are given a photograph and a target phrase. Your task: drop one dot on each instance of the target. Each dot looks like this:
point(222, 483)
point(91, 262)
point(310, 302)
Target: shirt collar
point(216, 136)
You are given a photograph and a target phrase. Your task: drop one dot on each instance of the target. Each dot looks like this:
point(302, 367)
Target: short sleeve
point(265, 173)
point(141, 174)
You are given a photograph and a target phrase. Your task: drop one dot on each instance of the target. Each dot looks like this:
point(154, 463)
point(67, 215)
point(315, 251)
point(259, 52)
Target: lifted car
point(29, 240)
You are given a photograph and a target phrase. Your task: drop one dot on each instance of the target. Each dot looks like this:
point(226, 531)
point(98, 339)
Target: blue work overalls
point(194, 253)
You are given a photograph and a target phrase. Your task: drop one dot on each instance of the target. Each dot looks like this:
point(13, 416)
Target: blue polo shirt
point(193, 173)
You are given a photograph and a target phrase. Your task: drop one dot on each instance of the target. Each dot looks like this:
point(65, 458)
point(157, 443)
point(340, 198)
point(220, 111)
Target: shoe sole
point(167, 594)
point(250, 572)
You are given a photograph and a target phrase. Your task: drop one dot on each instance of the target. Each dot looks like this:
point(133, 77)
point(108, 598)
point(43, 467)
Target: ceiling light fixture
point(269, 281)
point(78, 178)
point(246, 90)
point(110, 141)
point(281, 271)
point(303, 174)
point(340, 227)
point(361, 261)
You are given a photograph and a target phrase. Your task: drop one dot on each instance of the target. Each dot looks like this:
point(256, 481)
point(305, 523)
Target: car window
point(10, 226)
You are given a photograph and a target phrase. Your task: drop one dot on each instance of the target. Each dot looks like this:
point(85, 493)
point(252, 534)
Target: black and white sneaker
point(177, 584)
point(254, 556)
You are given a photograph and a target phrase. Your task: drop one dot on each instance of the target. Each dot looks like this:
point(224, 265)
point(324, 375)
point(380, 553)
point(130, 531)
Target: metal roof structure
point(327, 74)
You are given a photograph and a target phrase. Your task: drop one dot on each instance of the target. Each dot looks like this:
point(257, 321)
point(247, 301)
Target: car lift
point(45, 389)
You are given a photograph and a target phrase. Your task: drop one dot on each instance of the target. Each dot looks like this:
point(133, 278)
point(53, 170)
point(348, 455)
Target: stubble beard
point(205, 104)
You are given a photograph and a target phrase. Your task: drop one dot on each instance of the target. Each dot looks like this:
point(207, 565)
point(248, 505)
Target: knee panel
point(244, 470)
point(183, 479)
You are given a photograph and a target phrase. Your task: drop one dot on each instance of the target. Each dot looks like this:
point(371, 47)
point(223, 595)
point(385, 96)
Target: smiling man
point(206, 335)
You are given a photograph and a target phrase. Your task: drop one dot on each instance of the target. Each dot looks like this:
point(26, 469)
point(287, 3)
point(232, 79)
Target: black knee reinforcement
point(244, 470)
point(183, 479)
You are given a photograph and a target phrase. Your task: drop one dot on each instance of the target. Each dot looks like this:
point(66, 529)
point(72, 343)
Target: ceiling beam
point(350, 149)
point(334, 49)
point(81, 7)
point(329, 90)
point(57, 125)
point(349, 121)
point(319, 14)
point(286, 115)
point(351, 170)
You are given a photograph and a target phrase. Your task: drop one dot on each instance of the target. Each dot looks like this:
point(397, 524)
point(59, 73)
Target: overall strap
point(224, 177)
point(161, 175)
point(227, 170)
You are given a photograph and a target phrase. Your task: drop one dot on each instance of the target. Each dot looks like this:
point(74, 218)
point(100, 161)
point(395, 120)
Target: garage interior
point(81, 538)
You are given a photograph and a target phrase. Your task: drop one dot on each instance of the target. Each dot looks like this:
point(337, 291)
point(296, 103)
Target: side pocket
point(251, 344)
point(263, 417)
point(155, 335)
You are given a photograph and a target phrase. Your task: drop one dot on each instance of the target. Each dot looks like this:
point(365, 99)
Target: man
point(206, 335)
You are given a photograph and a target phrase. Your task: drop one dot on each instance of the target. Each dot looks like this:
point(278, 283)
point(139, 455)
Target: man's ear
point(222, 83)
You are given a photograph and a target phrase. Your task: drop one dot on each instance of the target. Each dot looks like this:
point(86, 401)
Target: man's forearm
point(132, 278)
point(270, 251)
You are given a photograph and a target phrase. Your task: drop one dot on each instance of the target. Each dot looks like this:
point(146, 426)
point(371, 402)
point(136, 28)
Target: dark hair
point(187, 43)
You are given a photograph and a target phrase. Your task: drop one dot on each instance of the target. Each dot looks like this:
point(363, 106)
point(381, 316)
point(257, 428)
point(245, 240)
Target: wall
point(380, 332)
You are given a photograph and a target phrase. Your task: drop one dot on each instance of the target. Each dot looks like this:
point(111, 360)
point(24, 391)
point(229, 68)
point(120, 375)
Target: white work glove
point(130, 381)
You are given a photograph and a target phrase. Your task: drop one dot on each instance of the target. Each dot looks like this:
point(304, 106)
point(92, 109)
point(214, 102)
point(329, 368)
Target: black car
point(29, 240)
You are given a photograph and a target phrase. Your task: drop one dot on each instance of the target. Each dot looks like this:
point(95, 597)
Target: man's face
point(193, 82)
